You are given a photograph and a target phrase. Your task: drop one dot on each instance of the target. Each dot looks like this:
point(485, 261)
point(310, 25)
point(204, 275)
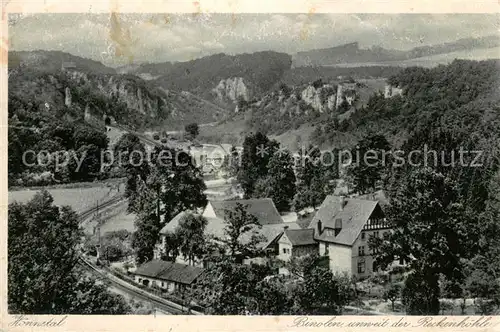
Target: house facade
point(296, 242)
point(168, 276)
point(268, 217)
point(340, 230)
point(343, 226)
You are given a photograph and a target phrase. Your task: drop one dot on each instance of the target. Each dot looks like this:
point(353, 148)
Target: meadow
point(80, 199)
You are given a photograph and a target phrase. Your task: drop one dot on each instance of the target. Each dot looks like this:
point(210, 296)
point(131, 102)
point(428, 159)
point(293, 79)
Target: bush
point(112, 253)
point(484, 306)
point(420, 294)
point(392, 294)
point(446, 307)
point(192, 129)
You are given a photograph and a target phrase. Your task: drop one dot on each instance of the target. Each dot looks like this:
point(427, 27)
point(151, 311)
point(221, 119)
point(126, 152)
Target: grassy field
point(118, 219)
point(79, 199)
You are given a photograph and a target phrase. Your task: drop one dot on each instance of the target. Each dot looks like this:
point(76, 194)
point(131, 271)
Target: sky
point(118, 39)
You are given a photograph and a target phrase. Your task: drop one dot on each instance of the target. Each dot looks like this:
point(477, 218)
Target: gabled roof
point(170, 226)
point(354, 216)
point(270, 232)
point(215, 227)
point(169, 271)
point(300, 237)
point(262, 208)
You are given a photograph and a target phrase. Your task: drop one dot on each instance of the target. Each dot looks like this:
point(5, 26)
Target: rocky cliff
point(128, 99)
point(231, 89)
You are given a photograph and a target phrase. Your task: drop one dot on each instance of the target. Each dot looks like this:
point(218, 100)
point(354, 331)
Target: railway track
point(159, 303)
point(87, 213)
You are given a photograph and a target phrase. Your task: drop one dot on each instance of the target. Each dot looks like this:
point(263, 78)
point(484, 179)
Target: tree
point(392, 294)
point(114, 245)
point(240, 231)
point(279, 184)
point(227, 288)
point(420, 294)
point(172, 244)
point(271, 296)
point(310, 183)
point(190, 232)
point(369, 163)
point(285, 89)
point(173, 185)
point(146, 236)
point(322, 292)
point(43, 272)
point(130, 154)
point(192, 129)
point(231, 163)
point(257, 151)
point(343, 107)
point(432, 232)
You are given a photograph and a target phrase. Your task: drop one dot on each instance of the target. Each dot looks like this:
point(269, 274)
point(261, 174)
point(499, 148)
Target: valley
point(289, 180)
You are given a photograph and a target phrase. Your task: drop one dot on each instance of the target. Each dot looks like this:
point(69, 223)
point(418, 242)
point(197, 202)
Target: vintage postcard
point(250, 166)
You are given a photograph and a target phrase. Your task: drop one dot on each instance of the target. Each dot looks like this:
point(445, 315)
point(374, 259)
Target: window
point(375, 234)
point(401, 261)
point(361, 250)
point(361, 267)
point(326, 249)
point(385, 234)
point(374, 267)
point(362, 235)
point(284, 250)
point(162, 284)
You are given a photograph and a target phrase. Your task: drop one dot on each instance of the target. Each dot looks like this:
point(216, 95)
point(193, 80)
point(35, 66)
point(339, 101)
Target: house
point(168, 276)
point(262, 208)
point(296, 242)
point(271, 225)
point(342, 227)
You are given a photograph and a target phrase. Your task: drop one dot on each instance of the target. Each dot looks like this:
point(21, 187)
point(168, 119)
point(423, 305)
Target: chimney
point(338, 226)
point(320, 227)
point(342, 202)
point(285, 227)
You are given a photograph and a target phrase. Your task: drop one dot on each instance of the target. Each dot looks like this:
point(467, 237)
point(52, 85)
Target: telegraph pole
point(98, 229)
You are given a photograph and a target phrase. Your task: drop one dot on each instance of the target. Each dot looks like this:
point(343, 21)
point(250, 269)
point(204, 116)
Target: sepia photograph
point(267, 164)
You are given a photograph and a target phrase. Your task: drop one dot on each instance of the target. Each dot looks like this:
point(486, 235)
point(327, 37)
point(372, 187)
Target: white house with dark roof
point(296, 242)
point(340, 230)
point(168, 276)
point(342, 227)
point(271, 224)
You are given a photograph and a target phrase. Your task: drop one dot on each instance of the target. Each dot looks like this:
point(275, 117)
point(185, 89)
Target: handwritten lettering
point(404, 323)
point(307, 322)
point(467, 322)
point(22, 320)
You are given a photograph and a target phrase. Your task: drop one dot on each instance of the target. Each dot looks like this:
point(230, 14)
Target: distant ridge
point(352, 53)
point(51, 61)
